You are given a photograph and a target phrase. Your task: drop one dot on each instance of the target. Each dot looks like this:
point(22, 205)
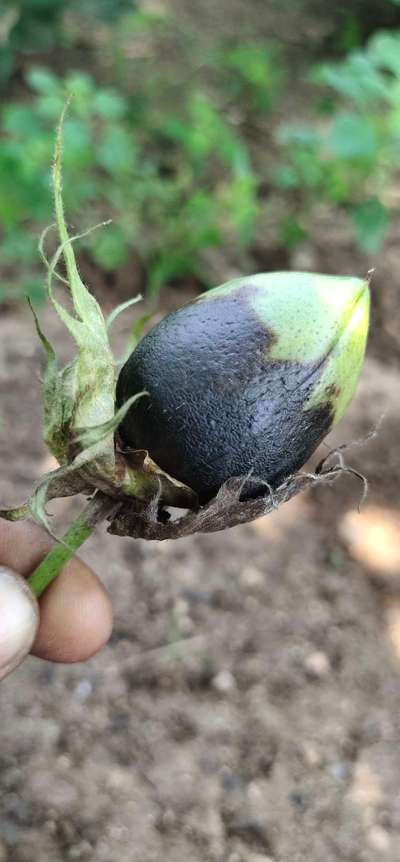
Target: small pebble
point(169, 818)
point(64, 762)
point(258, 857)
point(303, 258)
point(181, 607)
point(224, 682)
point(251, 578)
point(83, 690)
point(338, 770)
point(311, 755)
point(379, 839)
point(317, 665)
point(372, 537)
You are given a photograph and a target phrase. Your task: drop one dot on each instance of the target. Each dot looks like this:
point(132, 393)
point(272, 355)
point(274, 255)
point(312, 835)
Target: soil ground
point(247, 707)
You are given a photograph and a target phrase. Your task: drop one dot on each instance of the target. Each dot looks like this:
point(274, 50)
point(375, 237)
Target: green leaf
point(384, 50)
point(34, 290)
point(109, 104)
point(298, 134)
point(44, 82)
point(18, 245)
point(116, 151)
point(6, 63)
point(50, 106)
point(21, 121)
point(111, 249)
point(28, 288)
point(80, 85)
point(241, 207)
point(356, 78)
point(353, 137)
point(291, 232)
point(77, 143)
point(371, 221)
point(285, 177)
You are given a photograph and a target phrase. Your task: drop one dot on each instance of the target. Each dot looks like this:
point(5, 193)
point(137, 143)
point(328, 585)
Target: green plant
point(33, 26)
point(25, 26)
point(252, 75)
point(25, 153)
point(347, 154)
point(174, 182)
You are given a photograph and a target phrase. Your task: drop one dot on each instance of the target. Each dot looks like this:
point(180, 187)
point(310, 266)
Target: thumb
point(19, 620)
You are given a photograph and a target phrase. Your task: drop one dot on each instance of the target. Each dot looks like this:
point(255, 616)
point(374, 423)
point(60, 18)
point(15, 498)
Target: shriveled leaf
point(139, 476)
point(18, 513)
point(229, 508)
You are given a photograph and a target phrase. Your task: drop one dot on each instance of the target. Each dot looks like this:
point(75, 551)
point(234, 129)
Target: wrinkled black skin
point(218, 407)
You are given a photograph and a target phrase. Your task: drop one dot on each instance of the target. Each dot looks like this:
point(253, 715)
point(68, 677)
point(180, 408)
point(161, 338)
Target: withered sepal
point(231, 506)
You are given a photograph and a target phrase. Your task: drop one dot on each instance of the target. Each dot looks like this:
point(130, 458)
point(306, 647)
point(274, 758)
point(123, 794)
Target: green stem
point(98, 509)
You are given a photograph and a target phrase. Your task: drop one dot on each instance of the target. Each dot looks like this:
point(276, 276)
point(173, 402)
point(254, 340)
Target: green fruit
point(248, 378)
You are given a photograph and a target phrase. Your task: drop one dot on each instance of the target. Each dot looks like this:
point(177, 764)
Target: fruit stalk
point(99, 508)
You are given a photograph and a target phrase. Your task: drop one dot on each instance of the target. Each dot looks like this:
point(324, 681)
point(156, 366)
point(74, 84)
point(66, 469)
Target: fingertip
point(75, 616)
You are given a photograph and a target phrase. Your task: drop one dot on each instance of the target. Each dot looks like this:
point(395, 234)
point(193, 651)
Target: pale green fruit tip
point(319, 321)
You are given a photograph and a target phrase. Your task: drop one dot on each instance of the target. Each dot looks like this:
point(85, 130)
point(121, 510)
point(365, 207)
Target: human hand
point(75, 611)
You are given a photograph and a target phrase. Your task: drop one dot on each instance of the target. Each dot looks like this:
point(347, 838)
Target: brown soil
point(247, 707)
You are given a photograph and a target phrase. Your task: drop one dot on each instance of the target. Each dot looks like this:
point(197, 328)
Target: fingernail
point(19, 620)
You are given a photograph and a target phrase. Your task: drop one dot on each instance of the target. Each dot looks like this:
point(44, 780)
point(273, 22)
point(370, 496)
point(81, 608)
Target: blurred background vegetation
point(216, 141)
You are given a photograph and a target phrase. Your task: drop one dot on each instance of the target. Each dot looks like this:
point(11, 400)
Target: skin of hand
point(75, 611)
